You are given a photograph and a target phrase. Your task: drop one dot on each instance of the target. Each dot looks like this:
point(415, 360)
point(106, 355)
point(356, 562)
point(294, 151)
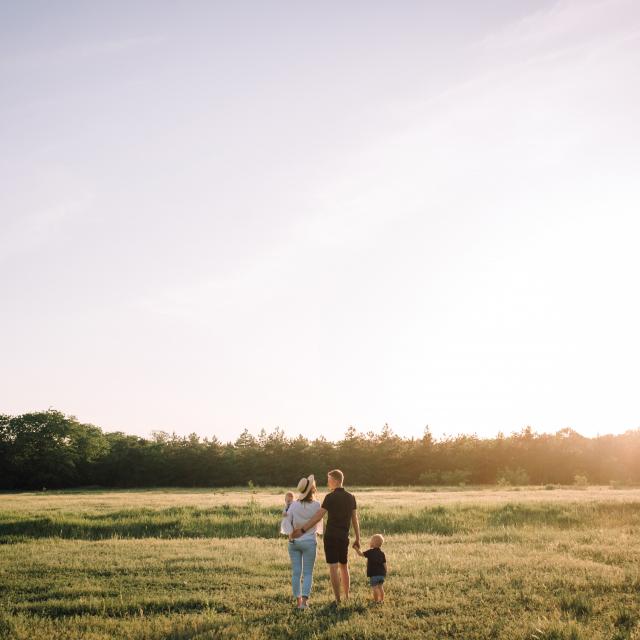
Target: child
point(285, 524)
point(376, 566)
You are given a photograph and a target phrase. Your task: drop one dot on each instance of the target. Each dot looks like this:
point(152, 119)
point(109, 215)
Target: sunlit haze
point(313, 215)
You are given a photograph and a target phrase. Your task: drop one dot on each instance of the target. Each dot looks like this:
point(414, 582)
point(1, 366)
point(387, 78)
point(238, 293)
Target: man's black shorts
point(336, 550)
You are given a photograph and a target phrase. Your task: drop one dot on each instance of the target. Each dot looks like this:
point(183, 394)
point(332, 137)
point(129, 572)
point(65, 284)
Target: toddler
point(376, 566)
point(285, 525)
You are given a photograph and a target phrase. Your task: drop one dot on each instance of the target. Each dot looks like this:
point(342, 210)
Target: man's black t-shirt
point(339, 504)
point(375, 562)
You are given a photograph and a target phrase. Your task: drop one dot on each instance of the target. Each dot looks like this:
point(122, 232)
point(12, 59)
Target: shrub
point(508, 476)
point(428, 478)
point(452, 477)
point(580, 481)
point(577, 606)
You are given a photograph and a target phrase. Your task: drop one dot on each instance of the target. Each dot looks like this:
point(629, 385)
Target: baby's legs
point(378, 593)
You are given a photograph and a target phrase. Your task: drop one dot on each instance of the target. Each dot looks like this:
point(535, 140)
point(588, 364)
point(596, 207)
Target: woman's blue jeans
point(303, 557)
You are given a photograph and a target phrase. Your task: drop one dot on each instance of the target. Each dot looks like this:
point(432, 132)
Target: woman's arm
point(290, 513)
point(309, 523)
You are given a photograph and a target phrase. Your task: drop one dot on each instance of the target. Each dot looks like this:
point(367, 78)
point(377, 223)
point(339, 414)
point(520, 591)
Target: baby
point(285, 525)
point(288, 499)
point(376, 566)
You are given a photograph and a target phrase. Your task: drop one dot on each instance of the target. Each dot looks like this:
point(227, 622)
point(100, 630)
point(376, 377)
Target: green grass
point(254, 520)
point(85, 566)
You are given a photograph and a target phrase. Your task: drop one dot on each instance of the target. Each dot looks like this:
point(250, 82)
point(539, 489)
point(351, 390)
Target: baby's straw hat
point(304, 486)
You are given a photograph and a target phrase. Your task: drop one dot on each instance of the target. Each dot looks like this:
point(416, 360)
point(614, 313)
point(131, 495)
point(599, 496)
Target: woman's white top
point(299, 512)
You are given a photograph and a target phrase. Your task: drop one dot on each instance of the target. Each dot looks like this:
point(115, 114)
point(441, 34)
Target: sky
point(217, 216)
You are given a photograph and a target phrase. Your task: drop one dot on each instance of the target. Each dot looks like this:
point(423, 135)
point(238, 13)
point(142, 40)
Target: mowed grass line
point(103, 500)
point(252, 519)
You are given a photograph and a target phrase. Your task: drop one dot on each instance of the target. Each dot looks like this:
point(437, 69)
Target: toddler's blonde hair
point(377, 540)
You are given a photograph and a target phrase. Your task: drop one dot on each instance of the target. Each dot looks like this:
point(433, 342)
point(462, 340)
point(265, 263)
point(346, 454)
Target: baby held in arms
point(285, 525)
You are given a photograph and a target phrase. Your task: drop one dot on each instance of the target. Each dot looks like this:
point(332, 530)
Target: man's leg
point(334, 574)
point(346, 579)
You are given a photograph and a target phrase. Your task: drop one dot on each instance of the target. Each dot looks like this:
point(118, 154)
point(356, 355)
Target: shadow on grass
point(438, 521)
point(118, 610)
point(316, 621)
point(183, 522)
point(253, 520)
point(514, 515)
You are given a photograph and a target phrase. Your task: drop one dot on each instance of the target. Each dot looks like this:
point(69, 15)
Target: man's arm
point(356, 528)
point(309, 523)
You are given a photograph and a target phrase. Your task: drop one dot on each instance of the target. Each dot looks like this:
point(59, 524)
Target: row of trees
point(49, 449)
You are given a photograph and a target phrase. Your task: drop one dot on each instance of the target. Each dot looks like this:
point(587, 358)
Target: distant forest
point(51, 450)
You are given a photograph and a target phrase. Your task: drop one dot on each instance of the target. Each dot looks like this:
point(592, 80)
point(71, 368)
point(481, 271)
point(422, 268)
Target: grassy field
point(464, 563)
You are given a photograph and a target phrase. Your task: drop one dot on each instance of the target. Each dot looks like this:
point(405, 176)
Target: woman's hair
point(311, 495)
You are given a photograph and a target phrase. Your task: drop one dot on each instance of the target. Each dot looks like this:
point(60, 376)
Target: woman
point(302, 550)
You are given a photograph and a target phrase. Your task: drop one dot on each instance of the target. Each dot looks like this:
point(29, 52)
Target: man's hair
point(337, 475)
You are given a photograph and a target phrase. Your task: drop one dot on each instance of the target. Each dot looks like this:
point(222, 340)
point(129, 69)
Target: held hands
point(296, 533)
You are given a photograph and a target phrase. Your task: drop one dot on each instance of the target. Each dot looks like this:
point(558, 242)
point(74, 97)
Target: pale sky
point(218, 215)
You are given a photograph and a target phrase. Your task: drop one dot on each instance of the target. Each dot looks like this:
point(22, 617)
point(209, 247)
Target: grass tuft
point(577, 606)
point(625, 619)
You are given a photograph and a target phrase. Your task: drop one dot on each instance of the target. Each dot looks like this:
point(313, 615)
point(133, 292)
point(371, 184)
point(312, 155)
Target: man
point(341, 507)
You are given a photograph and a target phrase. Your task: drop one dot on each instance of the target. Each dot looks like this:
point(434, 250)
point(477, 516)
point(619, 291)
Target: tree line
point(51, 450)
